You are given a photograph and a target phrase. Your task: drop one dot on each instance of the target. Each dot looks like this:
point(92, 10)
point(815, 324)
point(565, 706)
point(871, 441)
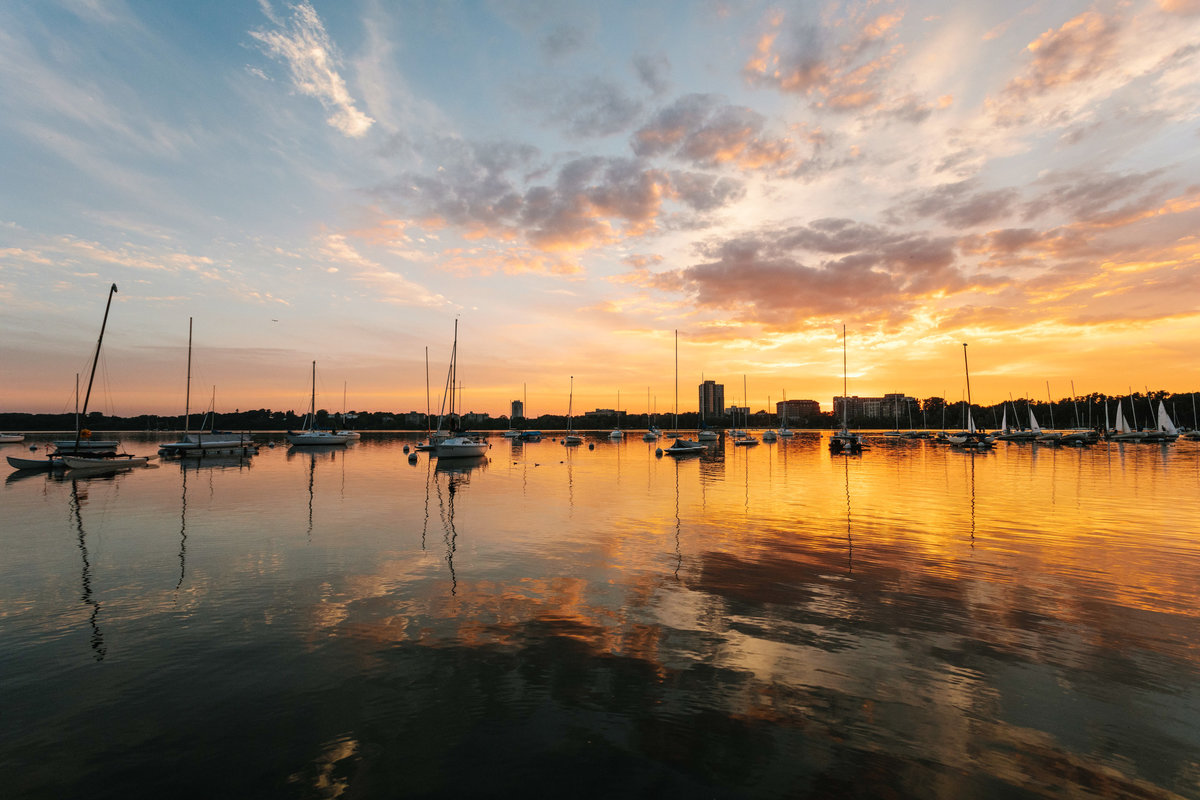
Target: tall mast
point(1050, 400)
point(845, 402)
point(95, 359)
point(312, 404)
point(967, 370)
point(677, 380)
point(453, 369)
point(187, 396)
point(427, 389)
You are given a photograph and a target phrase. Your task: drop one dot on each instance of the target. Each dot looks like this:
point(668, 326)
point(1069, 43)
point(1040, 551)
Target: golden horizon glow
point(1017, 180)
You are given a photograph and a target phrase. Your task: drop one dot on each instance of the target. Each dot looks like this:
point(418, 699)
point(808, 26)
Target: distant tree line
point(1084, 411)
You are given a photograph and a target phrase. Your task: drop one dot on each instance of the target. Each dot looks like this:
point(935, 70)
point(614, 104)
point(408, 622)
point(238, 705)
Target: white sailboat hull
point(315, 438)
point(460, 447)
point(119, 462)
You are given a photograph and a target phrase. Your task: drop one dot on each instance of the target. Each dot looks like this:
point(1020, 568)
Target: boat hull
point(204, 444)
point(119, 462)
point(34, 463)
point(685, 447)
point(460, 447)
point(315, 438)
point(86, 447)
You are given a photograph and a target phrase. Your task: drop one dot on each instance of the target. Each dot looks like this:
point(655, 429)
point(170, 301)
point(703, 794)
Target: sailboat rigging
point(844, 442)
point(571, 438)
point(311, 435)
point(203, 442)
point(460, 444)
point(970, 437)
point(681, 446)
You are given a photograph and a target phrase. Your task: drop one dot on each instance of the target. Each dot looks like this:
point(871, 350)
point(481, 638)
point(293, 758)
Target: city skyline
point(340, 182)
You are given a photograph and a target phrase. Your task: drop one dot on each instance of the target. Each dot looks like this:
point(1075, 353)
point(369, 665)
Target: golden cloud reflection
point(926, 610)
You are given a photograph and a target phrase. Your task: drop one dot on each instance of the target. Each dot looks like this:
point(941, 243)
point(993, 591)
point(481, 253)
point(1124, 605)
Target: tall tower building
point(518, 410)
point(712, 399)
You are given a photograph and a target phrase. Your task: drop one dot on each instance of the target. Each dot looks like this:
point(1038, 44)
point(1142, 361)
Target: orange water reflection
point(1023, 614)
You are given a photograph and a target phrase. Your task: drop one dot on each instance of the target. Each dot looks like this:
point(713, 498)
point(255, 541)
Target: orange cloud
point(846, 75)
point(1078, 51)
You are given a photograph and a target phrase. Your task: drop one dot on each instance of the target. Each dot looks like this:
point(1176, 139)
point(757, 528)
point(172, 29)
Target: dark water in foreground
point(762, 622)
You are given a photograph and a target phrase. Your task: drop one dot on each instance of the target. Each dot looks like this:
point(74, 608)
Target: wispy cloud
point(845, 64)
point(387, 285)
point(313, 61)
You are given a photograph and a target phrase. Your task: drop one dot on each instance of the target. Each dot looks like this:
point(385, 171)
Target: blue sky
point(339, 181)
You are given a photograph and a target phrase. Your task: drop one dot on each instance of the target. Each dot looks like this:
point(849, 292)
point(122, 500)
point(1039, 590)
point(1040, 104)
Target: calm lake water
point(758, 622)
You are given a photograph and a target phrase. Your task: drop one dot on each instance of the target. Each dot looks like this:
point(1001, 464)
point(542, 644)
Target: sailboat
point(83, 443)
point(526, 434)
point(784, 430)
point(680, 446)
point(769, 435)
point(571, 438)
point(1166, 428)
point(971, 437)
point(742, 437)
point(845, 442)
point(652, 433)
point(1124, 432)
point(459, 444)
point(351, 436)
point(616, 432)
point(204, 442)
point(311, 435)
point(87, 453)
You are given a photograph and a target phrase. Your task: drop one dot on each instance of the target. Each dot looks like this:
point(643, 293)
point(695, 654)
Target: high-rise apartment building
point(712, 399)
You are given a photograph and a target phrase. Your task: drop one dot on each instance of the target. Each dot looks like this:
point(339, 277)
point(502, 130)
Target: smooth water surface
point(770, 621)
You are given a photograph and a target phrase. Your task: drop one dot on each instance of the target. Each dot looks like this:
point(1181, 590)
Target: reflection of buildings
point(712, 399)
point(890, 406)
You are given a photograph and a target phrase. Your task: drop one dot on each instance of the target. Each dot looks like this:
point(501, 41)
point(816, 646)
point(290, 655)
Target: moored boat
point(459, 444)
point(48, 462)
point(571, 438)
point(685, 447)
point(844, 442)
point(202, 442)
point(311, 435)
point(116, 462)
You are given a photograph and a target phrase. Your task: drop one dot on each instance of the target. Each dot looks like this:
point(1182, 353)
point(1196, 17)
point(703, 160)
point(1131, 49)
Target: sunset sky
point(340, 181)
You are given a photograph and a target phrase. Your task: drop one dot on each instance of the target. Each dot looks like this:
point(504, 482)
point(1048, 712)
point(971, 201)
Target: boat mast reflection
point(99, 650)
point(458, 474)
point(450, 533)
point(972, 502)
point(849, 537)
point(182, 534)
point(678, 525)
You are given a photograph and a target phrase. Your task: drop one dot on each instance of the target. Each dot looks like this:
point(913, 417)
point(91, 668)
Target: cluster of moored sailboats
point(85, 452)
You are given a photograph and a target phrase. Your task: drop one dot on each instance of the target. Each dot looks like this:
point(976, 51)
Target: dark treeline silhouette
point(1084, 411)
